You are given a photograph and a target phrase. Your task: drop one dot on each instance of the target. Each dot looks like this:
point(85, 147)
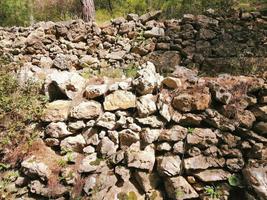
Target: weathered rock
point(152, 121)
point(251, 134)
point(172, 82)
point(57, 130)
point(146, 105)
point(261, 128)
point(149, 135)
point(260, 112)
point(202, 137)
point(217, 120)
point(36, 187)
point(189, 119)
point(147, 79)
point(57, 111)
point(194, 100)
point(106, 147)
point(88, 60)
point(86, 110)
point(178, 148)
point(89, 164)
point(93, 91)
point(213, 175)
point(147, 181)
point(141, 159)
point(77, 125)
point(91, 136)
point(202, 162)
point(64, 62)
point(123, 172)
point(149, 16)
point(75, 143)
point(174, 134)
point(120, 100)
point(178, 187)
point(256, 178)
point(64, 84)
point(107, 120)
point(89, 149)
point(169, 165)
point(128, 137)
point(116, 55)
point(36, 169)
point(245, 118)
point(102, 183)
point(154, 32)
point(165, 146)
point(235, 164)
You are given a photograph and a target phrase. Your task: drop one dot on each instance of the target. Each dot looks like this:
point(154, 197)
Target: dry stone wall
point(178, 137)
point(211, 42)
point(181, 136)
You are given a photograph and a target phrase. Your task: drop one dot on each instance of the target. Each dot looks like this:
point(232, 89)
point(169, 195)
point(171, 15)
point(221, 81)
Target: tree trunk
point(88, 10)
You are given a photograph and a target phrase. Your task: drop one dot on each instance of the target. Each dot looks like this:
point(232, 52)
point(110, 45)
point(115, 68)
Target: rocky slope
point(181, 136)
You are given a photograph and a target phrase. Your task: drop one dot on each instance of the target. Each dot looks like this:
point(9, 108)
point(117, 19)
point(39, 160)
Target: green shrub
point(20, 105)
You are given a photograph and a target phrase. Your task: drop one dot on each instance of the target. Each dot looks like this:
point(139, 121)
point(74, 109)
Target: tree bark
point(88, 10)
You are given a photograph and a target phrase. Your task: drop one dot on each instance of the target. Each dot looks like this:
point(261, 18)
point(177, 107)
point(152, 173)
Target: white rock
point(146, 105)
point(107, 120)
point(57, 130)
point(86, 110)
point(120, 100)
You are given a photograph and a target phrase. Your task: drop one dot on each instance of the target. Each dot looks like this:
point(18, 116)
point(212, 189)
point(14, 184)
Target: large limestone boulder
point(120, 100)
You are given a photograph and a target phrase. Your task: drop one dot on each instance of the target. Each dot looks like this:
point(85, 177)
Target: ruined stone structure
point(181, 136)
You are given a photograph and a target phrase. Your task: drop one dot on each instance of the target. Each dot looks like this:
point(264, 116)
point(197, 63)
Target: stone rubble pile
point(211, 42)
point(151, 138)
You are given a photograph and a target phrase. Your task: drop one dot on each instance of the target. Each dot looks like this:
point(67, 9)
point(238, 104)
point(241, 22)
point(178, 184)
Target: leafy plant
point(212, 191)
point(235, 181)
point(125, 196)
point(4, 166)
point(21, 104)
point(96, 162)
point(190, 130)
point(62, 163)
point(179, 193)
